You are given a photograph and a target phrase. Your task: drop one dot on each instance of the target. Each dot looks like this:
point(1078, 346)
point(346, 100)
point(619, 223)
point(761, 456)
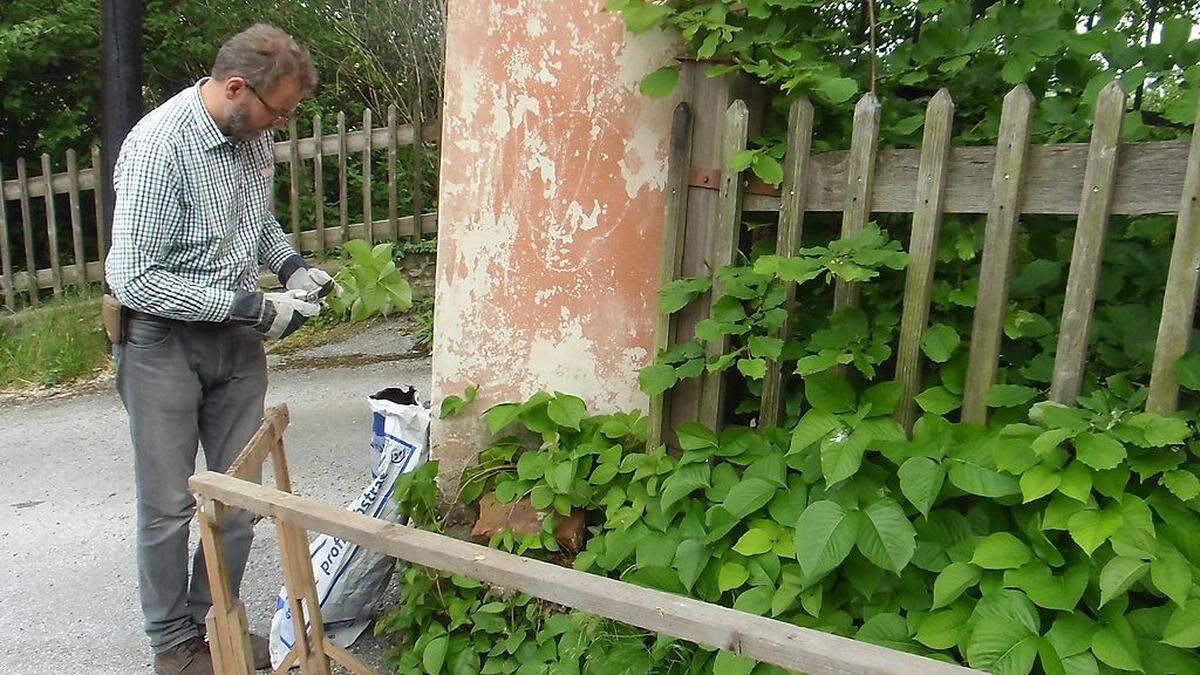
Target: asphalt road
point(69, 602)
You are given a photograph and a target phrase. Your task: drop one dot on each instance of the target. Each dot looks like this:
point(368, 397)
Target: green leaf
point(1091, 528)
point(885, 536)
point(434, 654)
point(677, 294)
point(811, 428)
point(944, 629)
point(1182, 484)
point(500, 416)
point(566, 410)
point(748, 496)
point(765, 347)
point(1187, 367)
point(731, 576)
point(656, 379)
point(732, 664)
point(1099, 451)
point(1008, 395)
point(754, 542)
point(883, 397)
point(1038, 482)
point(690, 559)
point(835, 89)
point(755, 369)
point(660, 83)
point(1001, 551)
point(842, 453)
point(640, 16)
point(1005, 636)
point(952, 581)
point(1162, 431)
point(940, 342)
point(885, 630)
point(768, 169)
point(1172, 574)
point(1076, 482)
point(1071, 634)
point(921, 480)
point(682, 481)
point(1183, 628)
point(695, 436)
point(825, 535)
point(829, 393)
point(1119, 575)
point(1116, 646)
point(1052, 590)
point(454, 405)
point(938, 400)
point(977, 479)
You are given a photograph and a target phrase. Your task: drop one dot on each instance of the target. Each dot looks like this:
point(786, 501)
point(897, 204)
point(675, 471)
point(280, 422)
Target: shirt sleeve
point(147, 218)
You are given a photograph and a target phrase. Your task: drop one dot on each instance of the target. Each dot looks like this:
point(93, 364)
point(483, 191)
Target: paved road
point(69, 601)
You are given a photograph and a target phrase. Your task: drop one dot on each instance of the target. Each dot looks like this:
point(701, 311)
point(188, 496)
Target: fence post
point(319, 186)
point(10, 293)
point(343, 198)
point(98, 200)
point(415, 190)
point(76, 221)
point(294, 183)
point(27, 230)
point(368, 222)
point(393, 222)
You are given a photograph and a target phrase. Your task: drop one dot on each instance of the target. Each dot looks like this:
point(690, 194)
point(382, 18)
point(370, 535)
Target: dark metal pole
point(120, 87)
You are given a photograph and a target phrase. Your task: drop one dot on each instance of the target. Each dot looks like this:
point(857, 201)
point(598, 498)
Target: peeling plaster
point(549, 212)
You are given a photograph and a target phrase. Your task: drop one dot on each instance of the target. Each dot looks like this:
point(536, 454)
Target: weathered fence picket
point(74, 266)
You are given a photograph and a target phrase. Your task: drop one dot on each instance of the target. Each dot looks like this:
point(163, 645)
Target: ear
point(233, 85)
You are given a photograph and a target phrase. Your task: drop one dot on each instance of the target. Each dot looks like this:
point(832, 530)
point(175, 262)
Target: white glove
point(314, 281)
point(284, 312)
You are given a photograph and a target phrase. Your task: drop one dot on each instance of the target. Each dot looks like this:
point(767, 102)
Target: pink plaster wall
point(550, 209)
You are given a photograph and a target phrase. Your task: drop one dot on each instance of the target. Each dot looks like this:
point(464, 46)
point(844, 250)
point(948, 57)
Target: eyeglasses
point(278, 115)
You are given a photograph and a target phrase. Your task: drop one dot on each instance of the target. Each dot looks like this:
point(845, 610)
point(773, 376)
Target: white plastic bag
point(351, 580)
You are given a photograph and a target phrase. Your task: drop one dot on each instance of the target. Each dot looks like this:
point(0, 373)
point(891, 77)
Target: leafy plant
point(370, 282)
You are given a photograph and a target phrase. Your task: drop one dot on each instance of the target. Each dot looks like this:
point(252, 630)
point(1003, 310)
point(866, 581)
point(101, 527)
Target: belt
point(154, 318)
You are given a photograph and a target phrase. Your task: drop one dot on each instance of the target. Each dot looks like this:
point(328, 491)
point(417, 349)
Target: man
point(190, 229)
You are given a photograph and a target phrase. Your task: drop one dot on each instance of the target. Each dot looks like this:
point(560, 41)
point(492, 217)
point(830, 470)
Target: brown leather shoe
point(260, 649)
point(186, 658)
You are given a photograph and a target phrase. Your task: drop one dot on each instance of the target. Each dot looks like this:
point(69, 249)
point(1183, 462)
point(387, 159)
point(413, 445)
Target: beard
point(238, 126)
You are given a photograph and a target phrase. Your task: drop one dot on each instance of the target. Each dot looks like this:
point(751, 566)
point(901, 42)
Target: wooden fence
point(1089, 180)
point(38, 204)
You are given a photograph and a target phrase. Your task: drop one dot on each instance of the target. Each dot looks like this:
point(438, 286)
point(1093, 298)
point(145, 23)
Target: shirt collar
point(210, 133)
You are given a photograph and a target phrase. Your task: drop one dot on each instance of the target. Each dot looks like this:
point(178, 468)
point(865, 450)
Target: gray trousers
point(185, 384)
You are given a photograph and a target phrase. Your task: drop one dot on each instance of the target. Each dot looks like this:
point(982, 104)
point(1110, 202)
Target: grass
point(62, 341)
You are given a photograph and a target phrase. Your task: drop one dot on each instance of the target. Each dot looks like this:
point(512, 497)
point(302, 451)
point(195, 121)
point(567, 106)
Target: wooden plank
point(1149, 180)
point(302, 597)
point(319, 192)
point(356, 139)
point(52, 228)
point(366, 175)
point(391, 171)
point(999, 236)
point(269, 436)
point(294, 184)
point(416, 156)
point(98, 201)
point(726, 232)
point(76, 219)
point(791, 226)
point(308, 240)
point(347, 660)
point(27, 227)
point(343, 198)
point(1088, 250)
point(232, 643)
point(755, 637)
point(6, 267)
point(679, 161)
point(922, 252)
point(1179, 297)
point(860, 181)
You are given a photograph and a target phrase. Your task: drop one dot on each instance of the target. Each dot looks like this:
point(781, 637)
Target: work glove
point(275, 315)
point(296, 275)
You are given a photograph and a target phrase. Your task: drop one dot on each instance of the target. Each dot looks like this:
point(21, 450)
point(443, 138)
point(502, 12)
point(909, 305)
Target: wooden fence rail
point(1091, 181)
point(82, 262)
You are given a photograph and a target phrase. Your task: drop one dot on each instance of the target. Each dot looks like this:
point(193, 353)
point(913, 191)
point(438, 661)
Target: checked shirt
point(190, 223)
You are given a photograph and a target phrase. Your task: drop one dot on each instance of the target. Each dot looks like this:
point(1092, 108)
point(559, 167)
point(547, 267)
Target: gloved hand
point(275, 315)
point(295, 275)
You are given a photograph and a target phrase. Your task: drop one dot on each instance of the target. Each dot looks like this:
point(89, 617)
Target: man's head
point(262, 75)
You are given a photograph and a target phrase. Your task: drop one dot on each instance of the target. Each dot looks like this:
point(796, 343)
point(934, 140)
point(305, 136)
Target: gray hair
point(263, 55)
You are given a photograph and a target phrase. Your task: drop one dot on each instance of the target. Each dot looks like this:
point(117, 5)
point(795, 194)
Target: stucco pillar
point(550, 210)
